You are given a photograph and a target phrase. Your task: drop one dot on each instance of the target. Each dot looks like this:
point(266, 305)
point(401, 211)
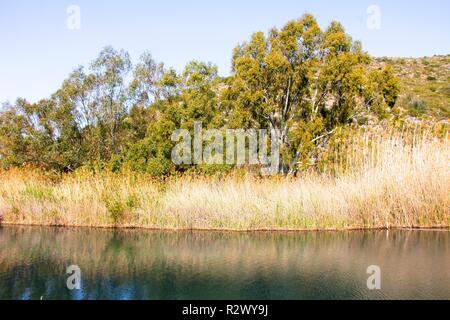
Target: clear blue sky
point(39, 51)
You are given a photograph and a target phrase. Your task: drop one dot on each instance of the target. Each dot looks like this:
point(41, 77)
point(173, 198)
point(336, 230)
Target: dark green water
point(138, 264)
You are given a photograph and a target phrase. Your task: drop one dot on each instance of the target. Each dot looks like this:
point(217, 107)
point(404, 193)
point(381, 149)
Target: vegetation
point(424, 83)
point(357, 150)
point(385, 182)
point(301, 80)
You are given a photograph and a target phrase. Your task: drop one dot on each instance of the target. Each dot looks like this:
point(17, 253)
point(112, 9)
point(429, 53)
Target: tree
point(14, 145)
point(188, 97)
point(111, 69)
point(303, 82)
point(145, 88)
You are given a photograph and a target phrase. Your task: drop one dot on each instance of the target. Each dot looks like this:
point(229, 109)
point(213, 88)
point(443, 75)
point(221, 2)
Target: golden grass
point(393, 182)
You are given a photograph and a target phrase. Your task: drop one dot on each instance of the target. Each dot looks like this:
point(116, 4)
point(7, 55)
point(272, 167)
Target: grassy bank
point(385, 181)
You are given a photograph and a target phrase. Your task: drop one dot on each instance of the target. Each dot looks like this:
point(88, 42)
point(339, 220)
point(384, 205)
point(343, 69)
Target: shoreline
point(225, 230)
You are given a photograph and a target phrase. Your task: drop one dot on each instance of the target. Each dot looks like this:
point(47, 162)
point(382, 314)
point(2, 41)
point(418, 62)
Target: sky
point(41, 42)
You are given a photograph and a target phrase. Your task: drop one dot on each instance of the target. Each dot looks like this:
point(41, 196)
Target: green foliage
point(116, 211)
point(423, 79)
point(132, 202)
point(159, 167)
point(39, 193)
point(418, 108)
point(114, 116)
point(115, 206)
point(305, 82)
point(212, 169)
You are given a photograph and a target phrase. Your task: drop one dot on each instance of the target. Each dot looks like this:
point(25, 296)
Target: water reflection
point(137, 264)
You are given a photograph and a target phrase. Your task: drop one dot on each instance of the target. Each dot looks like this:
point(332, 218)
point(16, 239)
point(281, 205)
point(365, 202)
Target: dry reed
point(384, 181)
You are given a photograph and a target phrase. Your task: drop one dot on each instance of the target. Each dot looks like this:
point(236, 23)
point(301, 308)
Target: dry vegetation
point(387, 181)
point(425, 84)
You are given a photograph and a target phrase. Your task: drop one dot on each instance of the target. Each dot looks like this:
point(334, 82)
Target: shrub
point(159, 167)
point(418, 108)
point(39, 193)
point(116, 211)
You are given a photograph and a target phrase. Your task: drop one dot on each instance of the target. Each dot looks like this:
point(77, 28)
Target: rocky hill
point(425, 84)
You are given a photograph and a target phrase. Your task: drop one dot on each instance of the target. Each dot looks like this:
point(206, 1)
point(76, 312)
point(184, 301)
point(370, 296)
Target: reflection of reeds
point(146, 258)
point(385, 181)
point(99, 250)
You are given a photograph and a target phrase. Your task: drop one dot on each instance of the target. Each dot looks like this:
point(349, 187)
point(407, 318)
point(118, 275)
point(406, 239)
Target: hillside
point(425, 84)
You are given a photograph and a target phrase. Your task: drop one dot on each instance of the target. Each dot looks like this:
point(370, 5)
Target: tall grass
point(380, 181)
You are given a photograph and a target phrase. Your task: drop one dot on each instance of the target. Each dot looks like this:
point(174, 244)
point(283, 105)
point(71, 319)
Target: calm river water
point(139, 264)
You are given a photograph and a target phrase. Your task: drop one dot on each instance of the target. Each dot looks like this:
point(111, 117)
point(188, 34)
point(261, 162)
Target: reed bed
point(381, 181)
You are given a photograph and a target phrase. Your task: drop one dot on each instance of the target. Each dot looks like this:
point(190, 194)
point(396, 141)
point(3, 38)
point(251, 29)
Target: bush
point(116, 211)
point(159, 167)
point(212, 169)
point(39, 193)
point(418, 108)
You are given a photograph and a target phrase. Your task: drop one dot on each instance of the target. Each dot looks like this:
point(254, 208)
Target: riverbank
point(393, 185)
point(230, 231)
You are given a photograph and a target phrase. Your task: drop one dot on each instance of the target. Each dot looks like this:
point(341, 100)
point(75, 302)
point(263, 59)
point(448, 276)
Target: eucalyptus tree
point(145, 87)
point(14, 139)
point(304, 82)
point(111, 70)
point(300, 79)
point(185, 98)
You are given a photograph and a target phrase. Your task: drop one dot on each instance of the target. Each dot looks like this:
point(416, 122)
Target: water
point(137, 264)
